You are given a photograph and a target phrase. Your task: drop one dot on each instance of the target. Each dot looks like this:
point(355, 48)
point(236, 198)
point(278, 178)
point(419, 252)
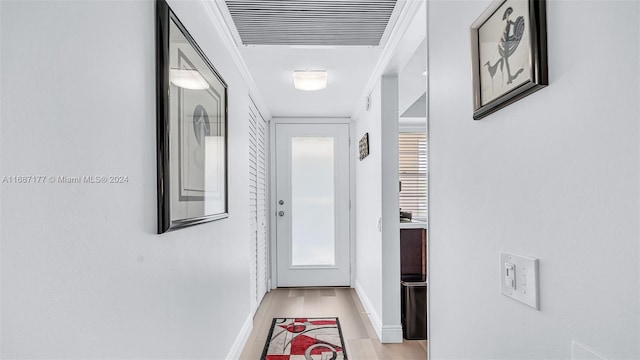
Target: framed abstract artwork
point(363, 146)
point(509, 54)
point(191, 129)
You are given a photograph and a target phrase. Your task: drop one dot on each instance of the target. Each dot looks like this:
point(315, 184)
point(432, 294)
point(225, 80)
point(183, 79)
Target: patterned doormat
point(305, 339)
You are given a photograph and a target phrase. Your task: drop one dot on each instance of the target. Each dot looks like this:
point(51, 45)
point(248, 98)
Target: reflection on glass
point(198, 132)
point(312, 201)
point(188, 79)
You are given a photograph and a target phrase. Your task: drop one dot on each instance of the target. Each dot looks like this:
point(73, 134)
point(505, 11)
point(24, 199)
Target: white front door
point(312, 204)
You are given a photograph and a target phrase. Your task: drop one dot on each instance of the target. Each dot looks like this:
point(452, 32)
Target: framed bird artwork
point(509, 54)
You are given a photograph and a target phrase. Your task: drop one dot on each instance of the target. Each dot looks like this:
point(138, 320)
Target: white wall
point(368, 208)
point(391, 325)
point(377, 270)
point(83, 273)
point(553, 176)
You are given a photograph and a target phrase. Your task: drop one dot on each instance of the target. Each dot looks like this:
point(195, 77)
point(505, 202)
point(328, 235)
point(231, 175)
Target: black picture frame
point(496, 37)
point(191, 129)
point(363, 146)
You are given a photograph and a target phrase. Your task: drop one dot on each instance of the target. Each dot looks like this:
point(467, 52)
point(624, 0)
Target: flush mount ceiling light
point(188, 79)
point(310, 80)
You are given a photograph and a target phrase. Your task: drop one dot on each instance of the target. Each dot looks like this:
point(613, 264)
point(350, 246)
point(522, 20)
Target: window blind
point(413, 173)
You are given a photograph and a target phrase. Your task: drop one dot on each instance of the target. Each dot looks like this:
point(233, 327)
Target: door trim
point(273, 280)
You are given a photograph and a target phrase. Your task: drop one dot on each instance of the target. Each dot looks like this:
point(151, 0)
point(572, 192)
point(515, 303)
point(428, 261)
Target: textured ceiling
point(311, 22)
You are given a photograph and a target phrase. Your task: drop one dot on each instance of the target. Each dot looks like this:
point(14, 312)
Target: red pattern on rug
point(304, 339)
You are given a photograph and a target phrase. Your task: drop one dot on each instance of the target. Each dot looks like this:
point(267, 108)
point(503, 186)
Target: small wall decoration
point(364, 146)
point(509, 54)
point(191, 129)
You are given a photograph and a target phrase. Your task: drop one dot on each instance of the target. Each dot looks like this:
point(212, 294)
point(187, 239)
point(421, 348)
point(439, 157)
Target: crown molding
point(406, 14)
point(393, 19)
point(216, 11)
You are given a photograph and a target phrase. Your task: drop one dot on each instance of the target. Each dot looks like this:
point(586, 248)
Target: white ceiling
point(350, 69)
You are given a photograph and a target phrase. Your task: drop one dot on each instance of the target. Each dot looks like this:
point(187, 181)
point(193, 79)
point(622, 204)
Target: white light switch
point(519, 278)
point(509, 269)
point(509, 276)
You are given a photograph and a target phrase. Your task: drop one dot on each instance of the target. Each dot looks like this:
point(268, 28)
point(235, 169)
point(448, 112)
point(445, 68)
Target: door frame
point(273, 276)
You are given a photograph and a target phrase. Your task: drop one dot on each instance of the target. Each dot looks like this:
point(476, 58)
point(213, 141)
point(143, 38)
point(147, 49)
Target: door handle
point(280, 213)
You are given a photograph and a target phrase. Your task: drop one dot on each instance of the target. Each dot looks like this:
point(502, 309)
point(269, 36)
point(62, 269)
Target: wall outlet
point(519, 278)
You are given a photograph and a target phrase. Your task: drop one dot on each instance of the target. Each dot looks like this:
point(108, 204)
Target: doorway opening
point(312, 203)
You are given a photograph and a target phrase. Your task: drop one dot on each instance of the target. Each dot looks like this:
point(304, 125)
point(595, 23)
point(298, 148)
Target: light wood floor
point(361, 341)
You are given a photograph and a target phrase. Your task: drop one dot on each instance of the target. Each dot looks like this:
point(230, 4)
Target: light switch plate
point(525, 276)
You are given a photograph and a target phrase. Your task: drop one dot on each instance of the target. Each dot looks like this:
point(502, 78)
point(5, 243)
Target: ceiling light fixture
point(310, 80)
point(188, 79)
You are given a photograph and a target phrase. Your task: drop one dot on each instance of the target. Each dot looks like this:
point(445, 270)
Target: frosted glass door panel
point(313, 232)
point(312, 204)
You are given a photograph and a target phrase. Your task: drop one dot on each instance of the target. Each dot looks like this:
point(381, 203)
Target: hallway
point(361, 341)
point(553, 177)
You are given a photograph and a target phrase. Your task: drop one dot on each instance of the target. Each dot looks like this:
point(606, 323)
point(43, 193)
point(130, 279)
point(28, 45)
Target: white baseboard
point(368, 307)
point(241, 339)
point(391, 334)
point(386, 333)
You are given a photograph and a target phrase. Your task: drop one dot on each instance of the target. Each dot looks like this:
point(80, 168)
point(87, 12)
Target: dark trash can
point(414, 310)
